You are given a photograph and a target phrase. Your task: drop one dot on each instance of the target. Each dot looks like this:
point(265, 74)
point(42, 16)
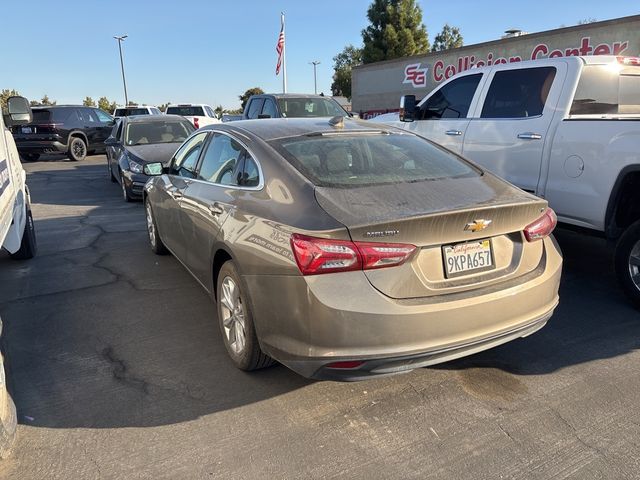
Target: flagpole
point(284, 57)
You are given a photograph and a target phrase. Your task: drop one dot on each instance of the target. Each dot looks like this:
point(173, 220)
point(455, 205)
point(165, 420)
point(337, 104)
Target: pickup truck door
point(7, 195)
point(443, 116)
point(509, 128)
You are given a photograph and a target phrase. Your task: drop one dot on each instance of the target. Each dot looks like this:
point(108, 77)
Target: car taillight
point(321, 255)
point(196, 122)
point(629, 60)
point(542, 227)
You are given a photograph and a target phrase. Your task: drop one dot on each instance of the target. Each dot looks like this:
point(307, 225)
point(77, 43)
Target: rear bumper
point(307, 323)
point(41, 146)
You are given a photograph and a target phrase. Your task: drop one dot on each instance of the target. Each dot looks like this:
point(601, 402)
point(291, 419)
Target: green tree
point(88, 102)
point(219, 110)
point(106, 105)
point(5, 94)
point(395, 30)
point(244, 98)
point(46, 100)
point(449, 37)
point(163, 107)
point(343, 62)
point(132, 104)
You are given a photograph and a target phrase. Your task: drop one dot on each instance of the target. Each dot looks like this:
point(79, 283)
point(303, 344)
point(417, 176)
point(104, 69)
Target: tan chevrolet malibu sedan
point(345, 249)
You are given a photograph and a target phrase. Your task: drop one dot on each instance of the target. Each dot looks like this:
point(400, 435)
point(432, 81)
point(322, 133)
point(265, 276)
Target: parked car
point(345, 249)
point(197, 113)
point(17, 233)
point(566, 129)
point(136, 141)
point(73, 130)
point(136, 110)
point(291, 105)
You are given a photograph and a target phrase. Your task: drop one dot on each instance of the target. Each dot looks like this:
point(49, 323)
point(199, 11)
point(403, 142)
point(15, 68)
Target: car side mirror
point(17, 112)
point(408, 108)
point(111, 141)
point(153, 169)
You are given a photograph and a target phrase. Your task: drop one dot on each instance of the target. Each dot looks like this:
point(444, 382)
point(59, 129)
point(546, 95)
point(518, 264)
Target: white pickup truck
point(566, 129)
point(17, 233)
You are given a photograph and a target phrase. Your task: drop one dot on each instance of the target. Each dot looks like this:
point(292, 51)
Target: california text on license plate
point(467, 257)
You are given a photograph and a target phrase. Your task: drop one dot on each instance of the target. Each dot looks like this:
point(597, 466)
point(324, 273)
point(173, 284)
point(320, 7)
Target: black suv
point(73, 130)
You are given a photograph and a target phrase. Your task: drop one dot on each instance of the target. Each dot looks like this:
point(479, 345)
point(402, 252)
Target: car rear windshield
point(345, 160)
point(139, 133)
point(607, 90)
point(126, 112)
point(186, 111)
point(50, 115)
point(310, 107)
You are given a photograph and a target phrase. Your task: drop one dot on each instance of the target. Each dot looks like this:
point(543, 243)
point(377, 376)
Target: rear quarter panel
point(586, 158)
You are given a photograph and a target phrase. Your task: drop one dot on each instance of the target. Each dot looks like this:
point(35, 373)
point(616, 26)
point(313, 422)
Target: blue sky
point(212, 51)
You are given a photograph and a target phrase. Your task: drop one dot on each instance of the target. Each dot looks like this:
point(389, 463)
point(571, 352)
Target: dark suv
point(73, 130)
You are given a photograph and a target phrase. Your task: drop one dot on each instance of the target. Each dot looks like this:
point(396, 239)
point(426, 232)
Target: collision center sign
point(377, 87)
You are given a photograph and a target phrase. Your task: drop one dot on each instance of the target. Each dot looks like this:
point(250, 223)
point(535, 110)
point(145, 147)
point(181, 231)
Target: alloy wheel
point(233, 319)
point(150, 226)
point(634, 264)
point(78, 149)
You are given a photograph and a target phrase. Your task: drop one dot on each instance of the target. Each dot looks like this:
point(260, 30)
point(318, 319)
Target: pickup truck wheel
point(77, 149)
point(28, 246)
point(627, 262)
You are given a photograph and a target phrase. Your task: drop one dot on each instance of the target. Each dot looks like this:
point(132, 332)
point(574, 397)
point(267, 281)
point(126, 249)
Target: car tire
point(126, 194)
point(28, 245)
point(30, 157)
point(77, 149)
point(627, 262)
point(157, 246)
point(236, 321)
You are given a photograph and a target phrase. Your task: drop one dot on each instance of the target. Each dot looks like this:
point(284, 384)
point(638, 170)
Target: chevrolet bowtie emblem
point(477, 225)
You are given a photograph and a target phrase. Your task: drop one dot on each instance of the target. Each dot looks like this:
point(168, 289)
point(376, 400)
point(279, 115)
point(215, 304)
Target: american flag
point(280, 46)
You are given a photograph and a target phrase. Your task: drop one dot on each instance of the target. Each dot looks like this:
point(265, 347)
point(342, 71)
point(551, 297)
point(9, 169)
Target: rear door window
point(255, 106)
point(520, 93)
point(452, 100)
point(269, 108)
point(607, 91)
point(220, 160)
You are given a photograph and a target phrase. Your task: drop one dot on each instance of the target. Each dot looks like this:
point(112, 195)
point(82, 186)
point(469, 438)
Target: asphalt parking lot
point(118, 371)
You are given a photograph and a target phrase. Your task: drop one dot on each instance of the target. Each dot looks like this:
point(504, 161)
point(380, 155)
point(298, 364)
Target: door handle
point(216, 209)
point(455, 133)
point(529, 136)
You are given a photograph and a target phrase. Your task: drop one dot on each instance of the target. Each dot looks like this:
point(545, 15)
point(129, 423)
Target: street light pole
point(120, 39)
point(315, 63)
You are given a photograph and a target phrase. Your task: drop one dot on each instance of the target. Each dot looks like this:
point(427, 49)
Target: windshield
point(50, 115)
point(345, 160)
point(157, 132)
point(125, 112)
point(310, 107)
point(186, 111)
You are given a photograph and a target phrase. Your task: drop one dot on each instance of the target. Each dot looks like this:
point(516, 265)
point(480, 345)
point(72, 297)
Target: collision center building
point(377, 87)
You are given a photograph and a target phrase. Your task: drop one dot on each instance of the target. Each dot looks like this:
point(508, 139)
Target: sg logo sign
point(415, 75)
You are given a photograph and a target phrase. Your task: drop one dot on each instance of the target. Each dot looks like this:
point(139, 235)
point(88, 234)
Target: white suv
point(197, 113)
point(136, 110)
point(17, 232)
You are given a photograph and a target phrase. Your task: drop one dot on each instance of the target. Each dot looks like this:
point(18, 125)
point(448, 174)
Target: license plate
point(469, 257)
point(27, 130)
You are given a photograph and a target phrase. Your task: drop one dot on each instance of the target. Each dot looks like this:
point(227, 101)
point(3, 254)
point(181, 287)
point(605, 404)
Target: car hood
point(156, 152)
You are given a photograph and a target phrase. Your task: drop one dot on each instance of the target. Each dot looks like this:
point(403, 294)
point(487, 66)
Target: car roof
point(274, 128)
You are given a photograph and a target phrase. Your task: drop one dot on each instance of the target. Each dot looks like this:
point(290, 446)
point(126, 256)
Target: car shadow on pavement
point(102, 333)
